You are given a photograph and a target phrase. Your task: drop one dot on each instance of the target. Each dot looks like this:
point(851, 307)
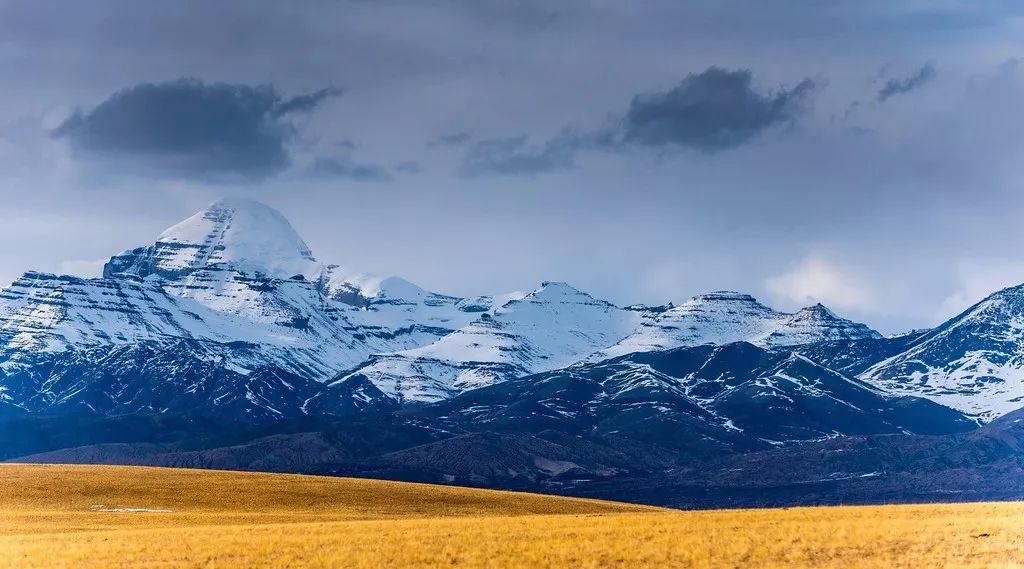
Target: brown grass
point(222, 519)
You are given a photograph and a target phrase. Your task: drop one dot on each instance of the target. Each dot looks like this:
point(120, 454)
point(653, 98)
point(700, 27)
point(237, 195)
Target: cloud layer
point(711, 189)
point(900, 86)
point(712, 111)
point(345, 167)
point(514, 155)
point(816, 279)
point(189, 129)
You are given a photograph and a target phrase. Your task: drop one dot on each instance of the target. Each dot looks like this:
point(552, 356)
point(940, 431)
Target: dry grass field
point(97, 516)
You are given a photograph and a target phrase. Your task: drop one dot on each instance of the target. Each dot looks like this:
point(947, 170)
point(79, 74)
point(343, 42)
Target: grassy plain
point(92, 516)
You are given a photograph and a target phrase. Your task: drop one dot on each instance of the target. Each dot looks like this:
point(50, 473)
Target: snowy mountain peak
point(553, 326)
point(817, 310)
point(561, 292)
point(973, 362)
point(357, 288)
point(737, 304)
point(239, 203)
point(817, 314)
point(816, 324)
point(723, 296)
point(242, 233)
point(558, 287)
point(397, 287)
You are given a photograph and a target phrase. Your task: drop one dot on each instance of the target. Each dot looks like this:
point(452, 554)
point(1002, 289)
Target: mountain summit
point(242, 233)
point(973, 362)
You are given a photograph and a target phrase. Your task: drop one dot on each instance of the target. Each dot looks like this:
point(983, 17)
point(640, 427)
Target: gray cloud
point(189, 129)
point(711, 111)
point(514, 155)
point(408, 167)
point(903, 85)
point(345, 167)
point(418, 70)
point(453, 139)
point(305, 103)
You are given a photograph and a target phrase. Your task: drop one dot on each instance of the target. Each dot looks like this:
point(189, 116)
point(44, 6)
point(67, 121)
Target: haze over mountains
point(229, 317)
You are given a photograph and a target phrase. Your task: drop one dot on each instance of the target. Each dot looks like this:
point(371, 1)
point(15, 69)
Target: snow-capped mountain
point(974, 362)
point(725, 317)
point(558, 325)
point(228, 329)
point(221, 255)
point(242, 234)
point(552, 327)
point(235, 279)
point(235, 288)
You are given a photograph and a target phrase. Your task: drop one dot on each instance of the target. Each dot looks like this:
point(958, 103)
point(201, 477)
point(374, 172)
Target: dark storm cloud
point(191, 130)
point(345, 167)
point(514, 155)
point(305, 103)
point(711, 111)
point(903, 85)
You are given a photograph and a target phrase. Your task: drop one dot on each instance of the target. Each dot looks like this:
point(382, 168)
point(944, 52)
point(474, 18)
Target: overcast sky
point(865, 154)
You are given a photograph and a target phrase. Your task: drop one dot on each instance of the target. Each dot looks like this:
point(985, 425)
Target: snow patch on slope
point(974, 362)
point(725, 317)
point(240, 232)
point(552, 327)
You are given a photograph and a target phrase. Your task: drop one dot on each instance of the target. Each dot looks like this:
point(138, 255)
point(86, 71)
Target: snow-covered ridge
point(973, 362)
point(236, 272)
point(552, 327)
point(238, 280)
point(725, 317)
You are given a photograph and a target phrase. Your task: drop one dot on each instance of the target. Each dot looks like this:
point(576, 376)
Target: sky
point(865, 154)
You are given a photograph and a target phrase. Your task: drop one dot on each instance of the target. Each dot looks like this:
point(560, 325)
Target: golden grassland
point(49, 518)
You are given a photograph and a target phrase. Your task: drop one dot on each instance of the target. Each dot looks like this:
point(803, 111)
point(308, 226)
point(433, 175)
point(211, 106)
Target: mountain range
point(227, 343)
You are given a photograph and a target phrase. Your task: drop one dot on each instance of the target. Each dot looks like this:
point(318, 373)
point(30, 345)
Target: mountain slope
point(726, 317)
point(238, 286)
point(554, 326)
point(974, 362)
point(684, 426)
point(701, 400)
point(183, 377)
point(248, 321)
